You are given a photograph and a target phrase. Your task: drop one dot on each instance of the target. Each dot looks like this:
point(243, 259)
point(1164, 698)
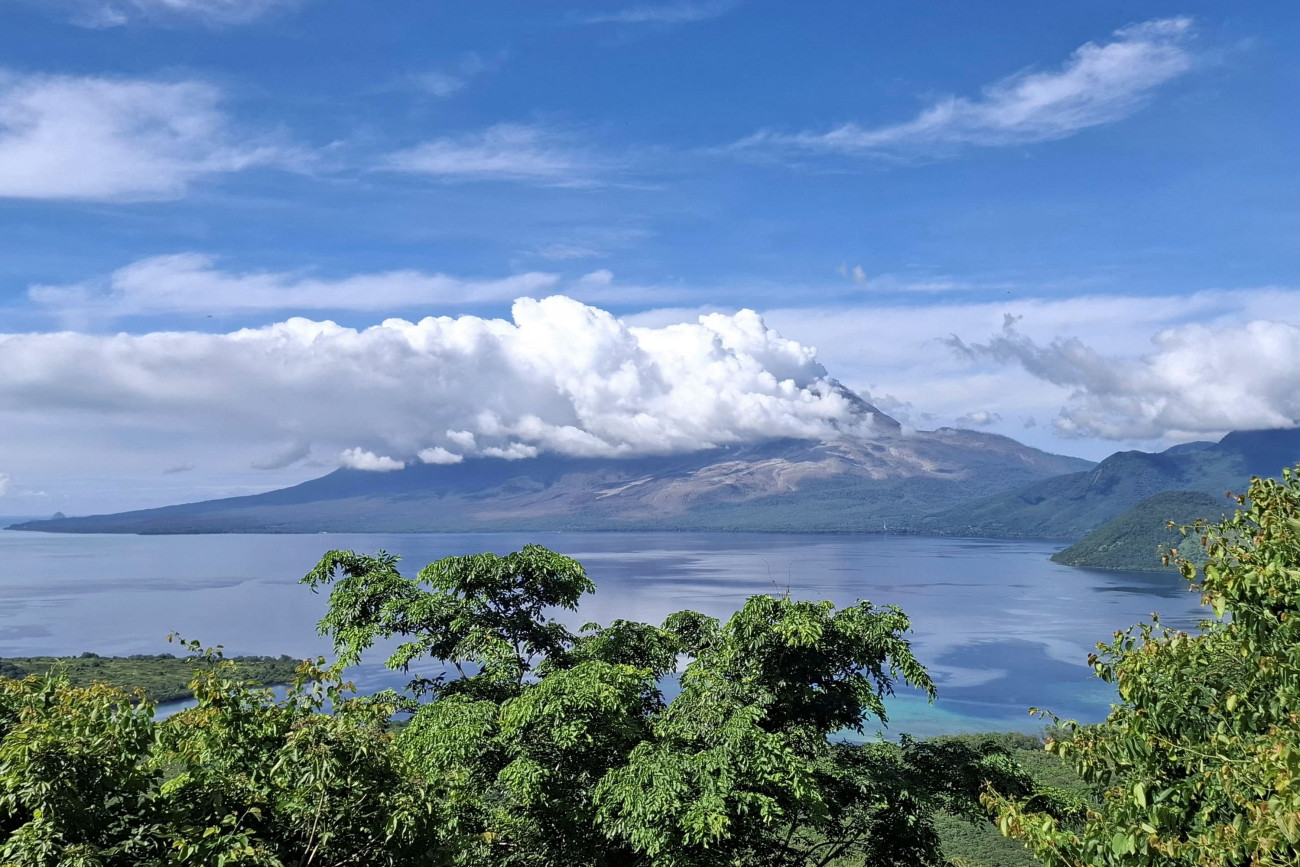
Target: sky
point(244, 242)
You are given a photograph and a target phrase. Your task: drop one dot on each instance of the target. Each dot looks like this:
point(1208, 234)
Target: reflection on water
point(999, 626)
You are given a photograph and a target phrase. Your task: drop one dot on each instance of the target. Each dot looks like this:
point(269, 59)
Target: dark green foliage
point(1135, 540)
point(1197, 764)
point(162, 677)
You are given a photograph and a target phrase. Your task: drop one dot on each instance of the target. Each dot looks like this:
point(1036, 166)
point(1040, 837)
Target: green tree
point(89, 778)
point(1198, 762)
point(549, 747)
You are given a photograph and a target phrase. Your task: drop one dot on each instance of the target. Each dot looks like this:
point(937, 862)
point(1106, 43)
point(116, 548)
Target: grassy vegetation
point(970, 844)
point(163, 677)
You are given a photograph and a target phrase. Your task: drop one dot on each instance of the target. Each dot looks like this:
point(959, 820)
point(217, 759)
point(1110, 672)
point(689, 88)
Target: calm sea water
point(999, 626)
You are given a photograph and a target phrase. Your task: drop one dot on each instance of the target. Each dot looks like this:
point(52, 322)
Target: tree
point(549, 747)
point(1198, 762)
point(88, 777)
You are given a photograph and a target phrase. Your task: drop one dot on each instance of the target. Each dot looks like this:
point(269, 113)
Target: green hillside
point(1069, 507)
point(1134, 539)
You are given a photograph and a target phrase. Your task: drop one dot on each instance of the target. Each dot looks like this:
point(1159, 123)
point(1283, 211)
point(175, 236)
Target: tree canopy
point(1198, 762)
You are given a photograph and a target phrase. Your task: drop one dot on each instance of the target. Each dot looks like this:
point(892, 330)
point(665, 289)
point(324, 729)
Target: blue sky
point(1071, 223)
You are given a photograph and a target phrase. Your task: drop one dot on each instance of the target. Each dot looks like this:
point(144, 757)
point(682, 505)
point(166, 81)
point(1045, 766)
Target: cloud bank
point(109, 139)
point(1199, 380)
point(1098, 84)
point(559, 377)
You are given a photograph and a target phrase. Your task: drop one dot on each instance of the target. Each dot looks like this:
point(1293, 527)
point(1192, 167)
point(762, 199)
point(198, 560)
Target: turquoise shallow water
point(1000, 627)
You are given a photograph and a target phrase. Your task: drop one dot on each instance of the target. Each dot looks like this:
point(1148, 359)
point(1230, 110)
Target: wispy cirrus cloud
point(452, 79)
point(1097, 85)
point(116, 13)
point(504, 152)
point(112, 139)
point(189, 283)
point(664, 13)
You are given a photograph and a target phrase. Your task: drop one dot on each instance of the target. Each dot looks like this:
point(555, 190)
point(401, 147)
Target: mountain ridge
point(849, 484)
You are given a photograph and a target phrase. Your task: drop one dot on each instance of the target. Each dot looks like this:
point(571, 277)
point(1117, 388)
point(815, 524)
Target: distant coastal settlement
point(544, 746)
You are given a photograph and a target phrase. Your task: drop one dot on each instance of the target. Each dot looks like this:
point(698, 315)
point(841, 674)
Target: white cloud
point(563, 252)
point(560, 377)
point(448, 82)
point(1199, 380)
point(101, 139)
point(360, 459)
point(4, 484)
point(439, 455)
point(505, 152)
point(191, 283)
point(1098, 84)
point(115, 13)
point(665, 13)
point(979, 418)
point(897, 351)
point(857, 273)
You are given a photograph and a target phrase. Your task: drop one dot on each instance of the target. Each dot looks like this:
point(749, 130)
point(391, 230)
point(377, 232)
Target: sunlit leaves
point(1197, 765)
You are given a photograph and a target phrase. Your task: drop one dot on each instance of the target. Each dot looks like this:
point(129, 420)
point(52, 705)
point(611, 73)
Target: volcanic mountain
point(886, 478)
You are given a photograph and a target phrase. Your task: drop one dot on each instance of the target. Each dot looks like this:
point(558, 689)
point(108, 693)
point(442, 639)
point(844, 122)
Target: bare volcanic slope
point(851, 484)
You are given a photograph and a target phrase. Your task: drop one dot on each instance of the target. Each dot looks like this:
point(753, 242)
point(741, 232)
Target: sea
point(999, 626)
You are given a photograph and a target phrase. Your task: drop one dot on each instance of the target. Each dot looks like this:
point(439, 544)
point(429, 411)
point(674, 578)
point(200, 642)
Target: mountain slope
point(845, 485)
point(1134, 540)
point(1071, 506)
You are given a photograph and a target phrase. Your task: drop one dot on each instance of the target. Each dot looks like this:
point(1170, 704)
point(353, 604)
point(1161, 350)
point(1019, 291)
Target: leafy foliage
point(88, 777)
point(549, 747)
point(1198, 763)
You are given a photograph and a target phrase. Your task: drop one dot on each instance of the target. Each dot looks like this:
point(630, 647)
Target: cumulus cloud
point(1199, 379)
point(560, 376)
point(665, 13)
point(108, 139)
point(192, 283)
point(505, 152)
point(439, 455)
point(1097, 85)
point(115, 13)
point(4, 484)
point(359, 459)
point(979, 418)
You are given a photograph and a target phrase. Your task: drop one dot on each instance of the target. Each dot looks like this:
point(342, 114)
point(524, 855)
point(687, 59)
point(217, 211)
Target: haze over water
point(999, 626)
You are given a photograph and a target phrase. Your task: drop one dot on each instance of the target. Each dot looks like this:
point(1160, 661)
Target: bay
point(999, 626)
